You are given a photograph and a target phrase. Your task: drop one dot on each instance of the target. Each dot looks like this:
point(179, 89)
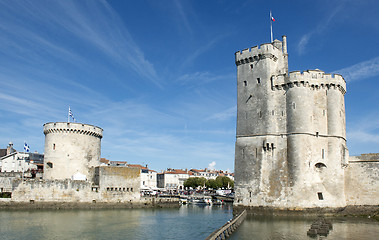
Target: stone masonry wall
point(117, 184)
point(362, 180)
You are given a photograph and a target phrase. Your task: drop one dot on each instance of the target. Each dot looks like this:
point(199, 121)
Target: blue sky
point(159, 76)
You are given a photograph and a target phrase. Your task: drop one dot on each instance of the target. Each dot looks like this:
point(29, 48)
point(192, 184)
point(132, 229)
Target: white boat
point(200, 200)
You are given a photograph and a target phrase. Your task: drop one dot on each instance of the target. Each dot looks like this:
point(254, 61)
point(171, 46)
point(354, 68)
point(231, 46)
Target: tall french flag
point(272, 19)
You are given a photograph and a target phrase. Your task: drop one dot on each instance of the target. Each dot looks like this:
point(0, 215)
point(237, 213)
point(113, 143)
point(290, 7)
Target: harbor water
point(296, 228)
point(186, 222)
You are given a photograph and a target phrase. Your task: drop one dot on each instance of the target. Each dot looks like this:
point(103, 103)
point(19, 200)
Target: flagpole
point(68, 115)
point(271, 26)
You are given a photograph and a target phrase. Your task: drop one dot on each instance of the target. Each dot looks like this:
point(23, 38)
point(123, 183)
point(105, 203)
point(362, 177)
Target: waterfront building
point(205, 173)
point(290, 147)
point(27, 163)
point(148, 177)
point(173, 179)
point(210, 173)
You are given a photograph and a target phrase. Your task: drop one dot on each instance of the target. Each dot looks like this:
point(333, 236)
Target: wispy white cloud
point(182, 15)
point(93, 22)
point(224, 115)
point(201, 78)
point(320, 28)
point(301, 46)
point(360, 71)
point(363, 134)
point(198, 52)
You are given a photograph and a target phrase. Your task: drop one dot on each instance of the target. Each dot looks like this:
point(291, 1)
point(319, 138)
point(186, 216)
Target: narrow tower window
point(260, 114)
point(320, 197)
point(251, 66)
point(258, 80)
point(245, 83)
point(323, 153)
point(53, 146)
point(294, 105)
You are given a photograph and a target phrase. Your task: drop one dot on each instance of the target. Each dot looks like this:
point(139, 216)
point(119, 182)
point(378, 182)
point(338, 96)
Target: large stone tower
point(291, 138)
point(71, 149)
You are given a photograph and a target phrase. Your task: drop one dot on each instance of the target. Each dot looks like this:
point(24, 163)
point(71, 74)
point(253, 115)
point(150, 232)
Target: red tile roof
point(104, 160)
point(175, 171)
point(137, 166)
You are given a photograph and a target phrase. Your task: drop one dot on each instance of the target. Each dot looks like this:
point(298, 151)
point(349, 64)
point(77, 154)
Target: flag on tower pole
point(70, 115)
point(272, 19)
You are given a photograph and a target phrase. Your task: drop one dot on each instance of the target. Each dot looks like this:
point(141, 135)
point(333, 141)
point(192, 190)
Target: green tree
point(212, 183)
point(224, 182)
point(194, 182)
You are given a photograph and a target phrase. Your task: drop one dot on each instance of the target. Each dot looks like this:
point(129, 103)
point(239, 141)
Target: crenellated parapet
point(315, 79)
point(264, 51)
point(72, 128)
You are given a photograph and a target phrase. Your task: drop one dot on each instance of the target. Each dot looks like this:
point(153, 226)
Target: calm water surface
point(187, 222)
point(295, 228)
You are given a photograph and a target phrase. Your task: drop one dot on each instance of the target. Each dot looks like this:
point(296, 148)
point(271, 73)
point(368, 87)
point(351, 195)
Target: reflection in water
point(187, 222)
point(296, 228)
point(320, 227)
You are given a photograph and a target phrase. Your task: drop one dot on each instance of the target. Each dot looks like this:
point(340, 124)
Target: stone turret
point(291, 137)
point(71, 149)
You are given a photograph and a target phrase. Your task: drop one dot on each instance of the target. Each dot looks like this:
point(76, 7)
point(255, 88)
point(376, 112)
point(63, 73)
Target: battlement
point(75, 128)
point(316, 79)
point(267, 50)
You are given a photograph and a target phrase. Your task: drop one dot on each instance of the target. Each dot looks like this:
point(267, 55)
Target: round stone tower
point(71, 149)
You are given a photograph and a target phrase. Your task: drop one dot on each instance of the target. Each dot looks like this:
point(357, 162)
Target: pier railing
point(229, 227)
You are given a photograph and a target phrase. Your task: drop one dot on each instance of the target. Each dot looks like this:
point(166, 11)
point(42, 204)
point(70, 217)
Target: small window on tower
point(53, 146)
point(258, 80)
point(294, 105)
point(251, 66)
point(245, 83)
point(320, 197)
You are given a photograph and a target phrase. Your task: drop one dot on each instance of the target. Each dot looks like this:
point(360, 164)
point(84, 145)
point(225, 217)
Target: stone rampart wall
point(64, 191)
point(362, 183)
point(6, 180)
